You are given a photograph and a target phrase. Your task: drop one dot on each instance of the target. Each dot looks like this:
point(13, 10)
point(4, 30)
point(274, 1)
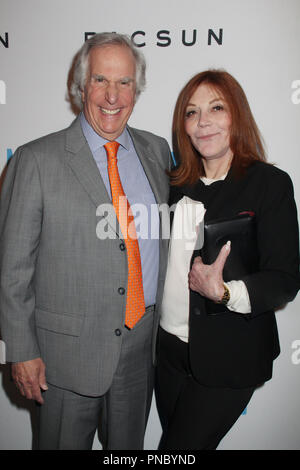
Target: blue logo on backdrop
point(173, 159)
point(9, 154)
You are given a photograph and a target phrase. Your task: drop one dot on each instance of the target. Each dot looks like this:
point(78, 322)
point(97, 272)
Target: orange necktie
point(135, 303)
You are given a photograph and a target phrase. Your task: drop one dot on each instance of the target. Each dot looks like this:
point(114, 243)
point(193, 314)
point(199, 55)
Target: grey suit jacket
point(59, 296)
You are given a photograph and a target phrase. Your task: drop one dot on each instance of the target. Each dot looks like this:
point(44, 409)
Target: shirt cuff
point(239, 298)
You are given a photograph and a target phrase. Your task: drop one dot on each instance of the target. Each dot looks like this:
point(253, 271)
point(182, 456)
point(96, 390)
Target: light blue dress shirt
point(138, 191)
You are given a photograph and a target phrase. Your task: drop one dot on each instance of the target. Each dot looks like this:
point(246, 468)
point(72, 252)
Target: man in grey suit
point(64, 262)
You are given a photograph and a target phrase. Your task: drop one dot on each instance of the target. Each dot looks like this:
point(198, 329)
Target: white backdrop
point(257, 41)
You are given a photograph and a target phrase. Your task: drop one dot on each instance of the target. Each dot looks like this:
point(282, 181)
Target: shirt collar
point(95, 140)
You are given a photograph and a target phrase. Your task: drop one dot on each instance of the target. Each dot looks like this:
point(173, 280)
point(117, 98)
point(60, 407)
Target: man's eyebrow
point(129, 79)
point(97, 75)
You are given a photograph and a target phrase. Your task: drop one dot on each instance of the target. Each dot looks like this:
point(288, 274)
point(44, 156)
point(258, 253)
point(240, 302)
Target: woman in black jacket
point(210, 364)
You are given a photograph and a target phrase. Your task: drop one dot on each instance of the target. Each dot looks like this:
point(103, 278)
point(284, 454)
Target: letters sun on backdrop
point(257, 41)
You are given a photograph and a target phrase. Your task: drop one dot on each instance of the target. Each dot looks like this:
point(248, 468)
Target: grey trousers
point(69, 421)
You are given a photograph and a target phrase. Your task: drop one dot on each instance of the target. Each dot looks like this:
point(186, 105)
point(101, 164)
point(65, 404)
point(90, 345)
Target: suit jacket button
point(118, 332)
point(121, 290)
point(197, 311)
point(122, 246)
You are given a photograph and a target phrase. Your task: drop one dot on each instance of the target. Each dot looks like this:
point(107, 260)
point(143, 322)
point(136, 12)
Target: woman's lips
point(207, 137)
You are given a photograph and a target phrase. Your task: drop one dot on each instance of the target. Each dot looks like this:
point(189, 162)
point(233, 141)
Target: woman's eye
point(218, 107)
point(189, 114)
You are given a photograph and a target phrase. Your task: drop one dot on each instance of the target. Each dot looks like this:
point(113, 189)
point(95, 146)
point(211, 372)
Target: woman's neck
point(217, 167)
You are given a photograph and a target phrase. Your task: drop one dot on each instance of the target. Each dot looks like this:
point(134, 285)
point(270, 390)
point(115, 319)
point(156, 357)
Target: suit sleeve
point(20, 228)
point(277, 281)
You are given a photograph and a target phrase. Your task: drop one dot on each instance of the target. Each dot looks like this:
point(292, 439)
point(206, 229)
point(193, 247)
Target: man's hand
point(207, 279)
point(29, 377)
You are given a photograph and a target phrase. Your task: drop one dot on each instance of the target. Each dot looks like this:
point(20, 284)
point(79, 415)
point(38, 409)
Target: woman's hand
point(207, 279)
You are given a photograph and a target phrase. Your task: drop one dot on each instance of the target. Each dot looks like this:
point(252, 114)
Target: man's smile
point(111, 112)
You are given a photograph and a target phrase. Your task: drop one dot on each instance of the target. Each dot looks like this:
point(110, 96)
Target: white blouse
point(187, 234)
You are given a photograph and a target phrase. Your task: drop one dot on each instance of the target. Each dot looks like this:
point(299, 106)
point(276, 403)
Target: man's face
point(109, 93)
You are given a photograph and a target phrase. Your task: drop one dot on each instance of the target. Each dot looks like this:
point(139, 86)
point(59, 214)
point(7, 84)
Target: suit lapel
point(82, 163)
point(84, 167)
point(148, 161)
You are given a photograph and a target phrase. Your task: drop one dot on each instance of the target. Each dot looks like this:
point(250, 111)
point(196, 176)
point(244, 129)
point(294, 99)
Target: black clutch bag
point(243, 257)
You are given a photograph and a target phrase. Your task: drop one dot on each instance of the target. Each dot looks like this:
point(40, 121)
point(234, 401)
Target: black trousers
point(193, 417)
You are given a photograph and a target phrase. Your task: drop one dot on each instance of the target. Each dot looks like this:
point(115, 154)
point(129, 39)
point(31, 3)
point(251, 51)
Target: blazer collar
point(81, 158)
point(75, 139)
point(148, 161)
point(83, 165)
point(228, 191)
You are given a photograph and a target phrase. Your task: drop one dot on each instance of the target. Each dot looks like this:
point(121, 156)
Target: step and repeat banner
point(257, 41)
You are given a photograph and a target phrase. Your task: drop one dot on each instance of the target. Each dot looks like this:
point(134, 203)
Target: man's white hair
point(82, 63)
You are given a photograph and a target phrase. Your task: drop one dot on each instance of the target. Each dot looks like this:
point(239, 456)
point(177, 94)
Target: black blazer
point(235, 350)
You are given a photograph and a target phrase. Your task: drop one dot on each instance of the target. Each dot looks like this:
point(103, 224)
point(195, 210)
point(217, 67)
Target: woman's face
point(208, 123)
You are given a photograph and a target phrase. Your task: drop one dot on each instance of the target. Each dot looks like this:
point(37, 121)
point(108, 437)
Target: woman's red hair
point(245, 139)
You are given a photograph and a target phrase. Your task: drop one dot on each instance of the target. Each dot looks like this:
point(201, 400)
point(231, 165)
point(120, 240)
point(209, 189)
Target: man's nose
point(112, 93)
